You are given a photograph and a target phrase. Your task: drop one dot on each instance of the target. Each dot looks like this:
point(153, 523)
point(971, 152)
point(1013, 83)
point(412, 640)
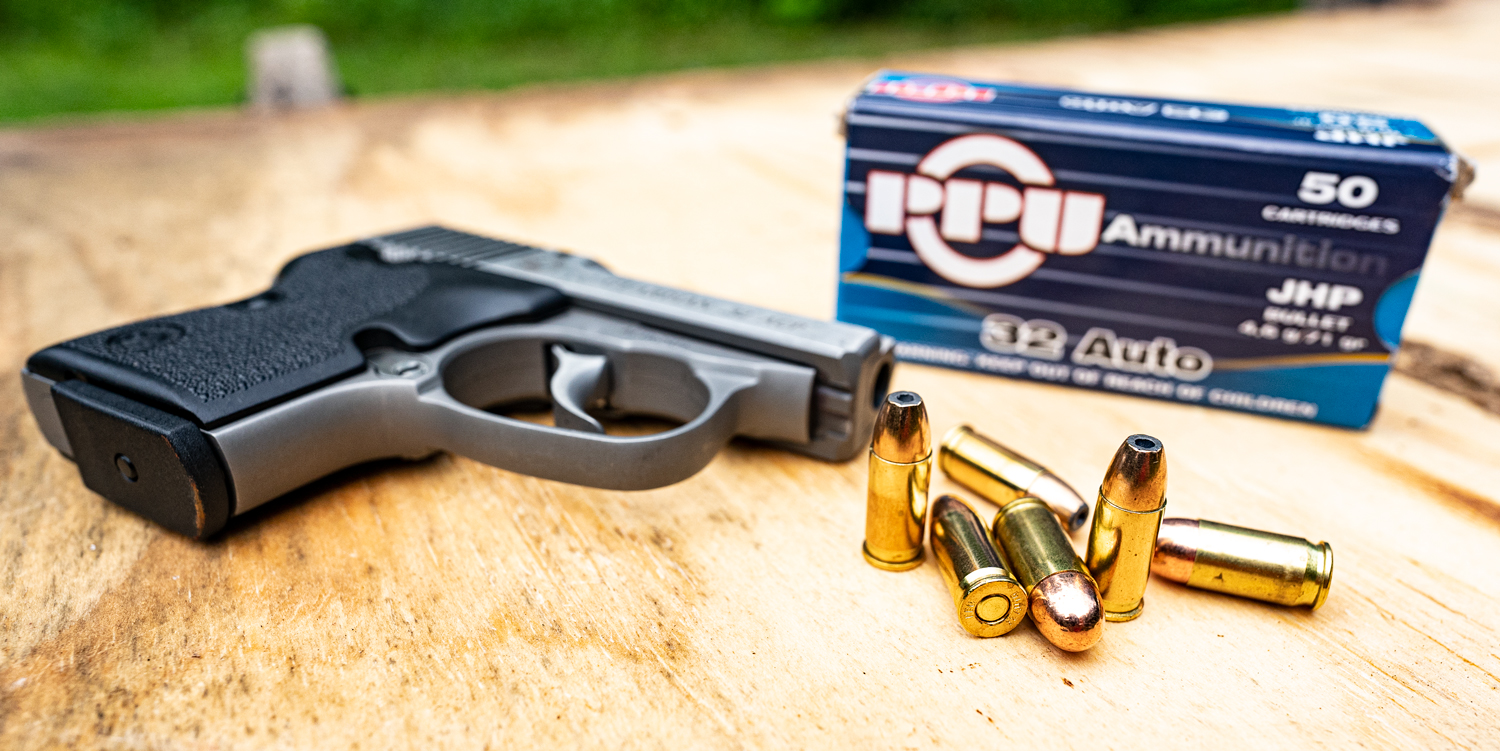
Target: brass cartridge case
point(1126, 518)
point(900, 470)
point(1064, 602)
point(1246, 562)
point(989, 600)
point(984, 466)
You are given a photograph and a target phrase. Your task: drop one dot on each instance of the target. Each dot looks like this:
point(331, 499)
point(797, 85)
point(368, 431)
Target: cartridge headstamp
point(989, 600)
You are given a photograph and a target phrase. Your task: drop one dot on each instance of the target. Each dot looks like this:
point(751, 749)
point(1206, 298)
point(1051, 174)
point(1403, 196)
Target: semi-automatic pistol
point(408, 344)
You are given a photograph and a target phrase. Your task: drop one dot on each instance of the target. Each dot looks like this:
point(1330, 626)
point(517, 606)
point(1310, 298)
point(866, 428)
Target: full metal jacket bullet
point(1064, 601)
point(1246, 562)
point(900, 469)
point(1001, 475)
point(1126, 518)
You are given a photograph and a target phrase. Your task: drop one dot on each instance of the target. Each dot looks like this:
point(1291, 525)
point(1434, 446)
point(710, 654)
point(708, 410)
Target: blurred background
point(62, 58)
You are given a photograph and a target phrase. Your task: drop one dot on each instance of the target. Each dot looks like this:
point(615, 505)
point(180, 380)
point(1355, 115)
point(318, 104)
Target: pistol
point(407, 344)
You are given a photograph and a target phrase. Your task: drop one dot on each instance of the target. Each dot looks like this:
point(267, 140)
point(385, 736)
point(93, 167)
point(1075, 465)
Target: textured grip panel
point(217, 363)
point(218, 352)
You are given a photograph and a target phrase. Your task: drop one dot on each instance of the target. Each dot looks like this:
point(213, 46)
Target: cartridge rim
point(954, 434)
point(1128, 615)
point(987, 591)
point(1324, 578)
point(885, 565)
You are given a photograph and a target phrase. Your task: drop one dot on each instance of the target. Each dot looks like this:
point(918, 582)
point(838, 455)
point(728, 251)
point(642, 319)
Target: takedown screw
point(126, 467)
point(404, 368)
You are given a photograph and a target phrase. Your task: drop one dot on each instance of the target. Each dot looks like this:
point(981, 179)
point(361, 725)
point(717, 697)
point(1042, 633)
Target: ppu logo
point(933, 208)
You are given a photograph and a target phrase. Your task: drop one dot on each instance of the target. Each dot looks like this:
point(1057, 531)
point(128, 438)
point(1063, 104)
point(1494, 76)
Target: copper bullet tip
point(1066, 608)
point(1176, 549)
point(901, 432)
point(1137, 478)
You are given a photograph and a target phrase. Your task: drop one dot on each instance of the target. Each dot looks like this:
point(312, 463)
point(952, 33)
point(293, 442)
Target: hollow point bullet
point(1001, 475)
point(900, 469)
point(1064, 602)
point(1127, 516)
point(989, 600)
point(1247, 562)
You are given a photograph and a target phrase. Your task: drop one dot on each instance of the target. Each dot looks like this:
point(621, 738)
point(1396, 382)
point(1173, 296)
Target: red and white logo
point(932, 90)
point(1051, 221)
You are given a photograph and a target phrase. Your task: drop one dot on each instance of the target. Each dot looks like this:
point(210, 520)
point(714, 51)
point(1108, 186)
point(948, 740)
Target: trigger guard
point(592, 459)
point(422, 402)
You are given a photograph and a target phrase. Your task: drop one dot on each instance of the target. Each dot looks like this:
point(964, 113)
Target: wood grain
point(447, 603)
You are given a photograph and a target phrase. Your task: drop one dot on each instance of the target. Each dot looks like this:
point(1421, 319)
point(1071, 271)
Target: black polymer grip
point(134, 400)
point(214, 365)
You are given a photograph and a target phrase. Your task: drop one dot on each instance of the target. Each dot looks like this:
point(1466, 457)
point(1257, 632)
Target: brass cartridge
point(1065, 603)
point(900, 469)
point(980, 464)
point(989, 600)
point(1126, 518)
point(1246, 562)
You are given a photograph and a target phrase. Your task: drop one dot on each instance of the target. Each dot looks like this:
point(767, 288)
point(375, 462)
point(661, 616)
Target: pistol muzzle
point(1127, 515)
point(989, 600)
point(900, 470)
point(1001, 475)
point(1249, 563)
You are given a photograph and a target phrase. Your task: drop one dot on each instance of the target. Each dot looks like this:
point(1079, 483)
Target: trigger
point(580, 382)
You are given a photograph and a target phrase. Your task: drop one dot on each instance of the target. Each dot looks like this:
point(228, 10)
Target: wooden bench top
point(446, 603)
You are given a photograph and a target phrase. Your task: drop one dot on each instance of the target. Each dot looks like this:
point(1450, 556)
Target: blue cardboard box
point(1251, 258)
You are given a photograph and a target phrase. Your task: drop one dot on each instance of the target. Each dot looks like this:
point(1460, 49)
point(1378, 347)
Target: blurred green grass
point(71, 57)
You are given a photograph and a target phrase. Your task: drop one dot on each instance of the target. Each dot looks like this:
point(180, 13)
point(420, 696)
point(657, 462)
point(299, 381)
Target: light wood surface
point(449, 604)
